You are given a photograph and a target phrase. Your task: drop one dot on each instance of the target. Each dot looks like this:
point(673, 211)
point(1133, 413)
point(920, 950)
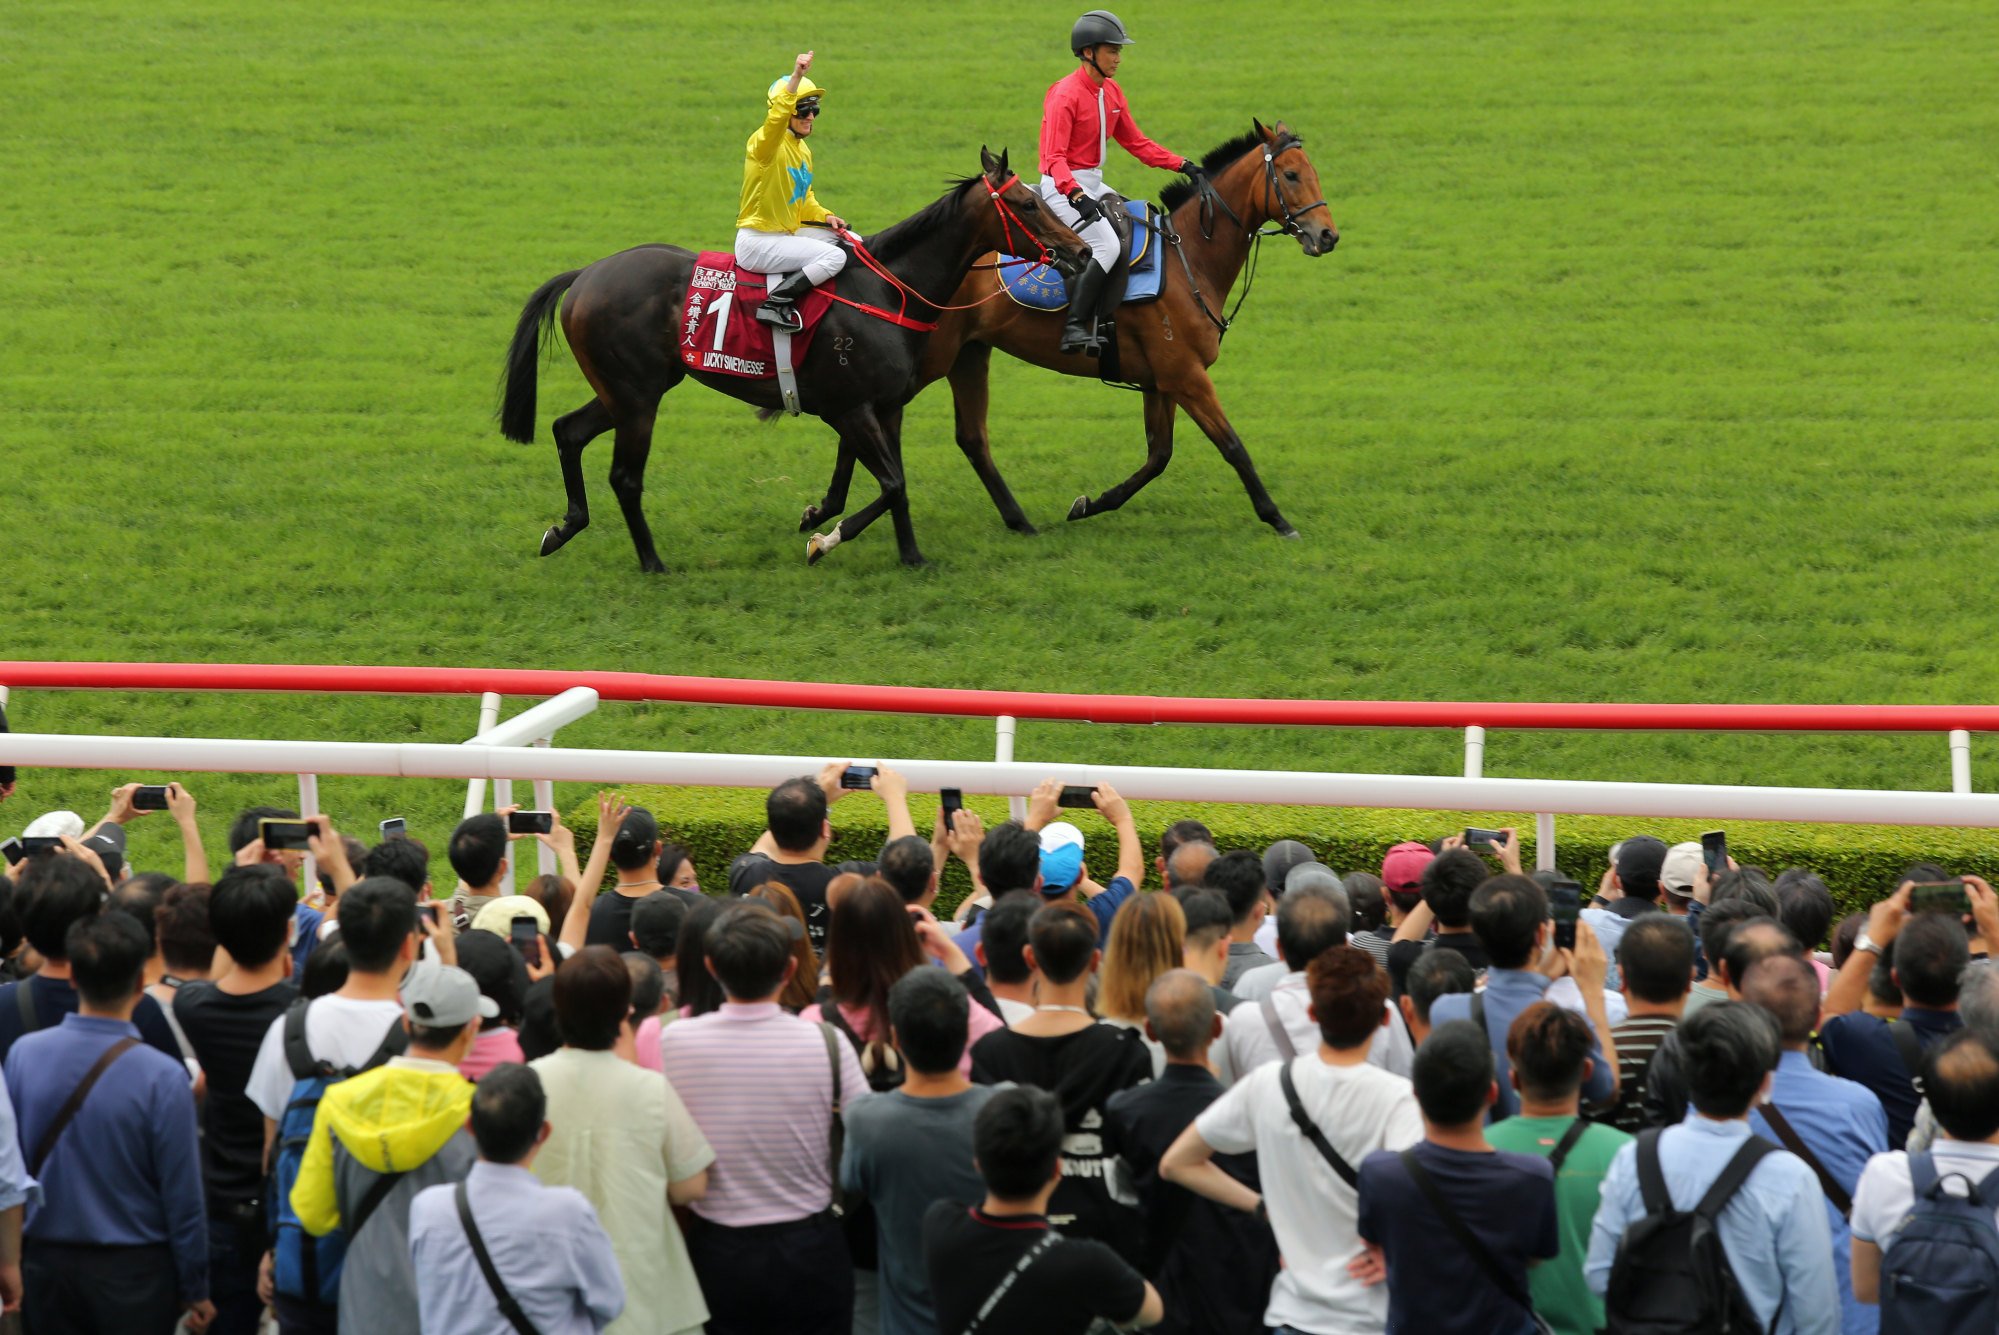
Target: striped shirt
point(1637, 1039)
point(760, 1087)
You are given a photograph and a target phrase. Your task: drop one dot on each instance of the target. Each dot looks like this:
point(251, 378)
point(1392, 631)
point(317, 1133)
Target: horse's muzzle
point(1320, 242)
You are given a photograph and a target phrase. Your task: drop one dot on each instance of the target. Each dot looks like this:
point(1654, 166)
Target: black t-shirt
point(806, 880)
point(1063, 1291)
point(1403, 954)
point(226, 1032)
point(1083, 1070)
point(611, 920)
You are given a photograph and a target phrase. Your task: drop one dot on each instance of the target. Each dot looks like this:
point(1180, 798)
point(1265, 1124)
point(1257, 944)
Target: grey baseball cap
point(439, 996)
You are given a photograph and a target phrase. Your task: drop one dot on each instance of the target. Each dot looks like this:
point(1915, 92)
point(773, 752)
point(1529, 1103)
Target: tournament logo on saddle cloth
point(719, 329)
point(1040, 287)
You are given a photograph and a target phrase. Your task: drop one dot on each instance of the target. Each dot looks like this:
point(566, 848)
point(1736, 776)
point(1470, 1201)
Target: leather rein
point(1274, 204)
point(1008, 221)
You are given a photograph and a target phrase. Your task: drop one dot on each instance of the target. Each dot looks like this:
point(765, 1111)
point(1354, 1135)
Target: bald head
point(1788, 988)
point(1180, 1013)
point(1188, 863)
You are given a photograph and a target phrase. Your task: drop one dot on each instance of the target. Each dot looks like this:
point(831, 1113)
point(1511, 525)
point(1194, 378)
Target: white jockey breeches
point(786, 252)
point(1101, 236)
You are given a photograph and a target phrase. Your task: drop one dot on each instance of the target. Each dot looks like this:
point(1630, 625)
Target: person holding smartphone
point(792, 848)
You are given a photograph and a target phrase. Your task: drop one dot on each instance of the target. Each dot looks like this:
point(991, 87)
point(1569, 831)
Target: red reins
point(1008, 219)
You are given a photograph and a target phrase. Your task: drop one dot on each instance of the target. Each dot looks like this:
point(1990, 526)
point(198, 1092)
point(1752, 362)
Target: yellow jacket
point(388, 1120)
point(777, 174)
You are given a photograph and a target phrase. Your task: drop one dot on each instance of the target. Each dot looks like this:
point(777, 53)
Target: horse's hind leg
point(1158, 450)
point(971, 396)
point(836, 491)
point(628, 471)
point(573, 431)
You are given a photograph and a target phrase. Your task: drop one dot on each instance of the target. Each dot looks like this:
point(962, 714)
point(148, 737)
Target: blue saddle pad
point(1040, 287)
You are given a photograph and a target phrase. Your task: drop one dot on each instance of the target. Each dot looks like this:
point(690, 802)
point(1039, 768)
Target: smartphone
point(858, 776)
point(1939, 897)
point(1079, 795)
point(150, 797)
point(1484, 838)
point(1714, 851)
point(1565, 906)
point(32, 844)
point(530, 822)
point(395, 828)
point(953, 801)
point(12, 848)
point(279, 835)
point(527, 940)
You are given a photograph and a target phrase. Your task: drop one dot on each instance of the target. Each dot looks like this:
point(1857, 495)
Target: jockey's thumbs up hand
point(802, 64)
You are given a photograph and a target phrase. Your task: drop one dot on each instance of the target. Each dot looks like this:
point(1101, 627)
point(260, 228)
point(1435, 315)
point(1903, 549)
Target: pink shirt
point(1070, 134)
point(983, 1022)
point(647, 1042)
point(760, 1087)
point(493, 1047)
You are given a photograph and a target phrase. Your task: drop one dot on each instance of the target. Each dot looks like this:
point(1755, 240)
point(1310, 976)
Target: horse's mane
point(893, 240)
point(1173, 196)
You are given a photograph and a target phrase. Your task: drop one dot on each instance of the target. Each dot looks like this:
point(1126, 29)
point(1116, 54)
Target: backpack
point(308, 1268)
point(1941, 1272)
point(1671, 1275)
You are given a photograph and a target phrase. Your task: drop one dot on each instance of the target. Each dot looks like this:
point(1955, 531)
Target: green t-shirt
point(1561, 1294)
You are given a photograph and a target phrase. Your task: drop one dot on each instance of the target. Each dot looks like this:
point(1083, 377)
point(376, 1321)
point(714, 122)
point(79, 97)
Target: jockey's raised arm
point(778, 199)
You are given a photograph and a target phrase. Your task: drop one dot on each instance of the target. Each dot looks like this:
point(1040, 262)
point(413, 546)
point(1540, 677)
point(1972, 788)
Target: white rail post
point(1960, 756)
point(503, 796)
point(544, 800)
point(489, 714)
point(1474, 752)
point(1544, 841)
point(1004, 728)
point(308, 805)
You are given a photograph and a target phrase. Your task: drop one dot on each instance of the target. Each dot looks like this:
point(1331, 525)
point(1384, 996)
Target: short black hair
point(1438, 973)
point(1726, 1049)
point(670, 858)
point(1655, 956)
point(931, 1015)
point(593, 998)
point(1448, 882)
point(632, 842)
point(1804, 905)
point(508, 1109)
point(1721, 920)
point(107, 955)
point(477, 848)
point(499, 971)
point(325, 969)
point(1239, 876)
point(1017, 1140)
point(1003, 931)
point(250, 911)
point(796, 813)
point(63, 890)
point(1961, 1078)
point(648, 984)
point(1064, 937)
point(656, 923)
point(1208, 916)
point(748, 945)
point(435, 1037)
point(1183, 832)
point(181, 927)
point(1748, 883)
point(376, 916)
point(1009, 858)
point(405, 860)
point(1453, 1073)
point(246, 828)
point(1311, 920)
point(1506, 916)
point(1546, 1047)
point(906, 864)
point(1931, 951)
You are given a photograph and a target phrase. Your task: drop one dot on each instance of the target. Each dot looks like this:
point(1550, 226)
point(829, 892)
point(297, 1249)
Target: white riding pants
point(1101, 236)
point(788, 252)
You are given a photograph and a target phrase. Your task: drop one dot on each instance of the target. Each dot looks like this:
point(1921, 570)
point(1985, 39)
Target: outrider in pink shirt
point(1070, 135)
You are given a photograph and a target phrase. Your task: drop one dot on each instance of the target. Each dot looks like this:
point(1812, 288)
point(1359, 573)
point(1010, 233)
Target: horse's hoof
point(1081, 509)
point(820, 544)
point(651, 565)
point(809, 519)
point(551, 541)
point(1287, 532)
point(1026, 530)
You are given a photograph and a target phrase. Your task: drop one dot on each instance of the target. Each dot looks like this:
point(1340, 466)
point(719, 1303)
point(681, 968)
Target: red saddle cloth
point(719, 329)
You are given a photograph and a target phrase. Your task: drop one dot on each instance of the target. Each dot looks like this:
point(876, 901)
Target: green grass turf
point(1656, 363)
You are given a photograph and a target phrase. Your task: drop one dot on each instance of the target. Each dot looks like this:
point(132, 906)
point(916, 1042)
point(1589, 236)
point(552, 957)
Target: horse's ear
point(986, 161)
point(1263, 133)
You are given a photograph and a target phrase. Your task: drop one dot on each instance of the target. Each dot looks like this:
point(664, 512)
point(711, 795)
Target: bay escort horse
point(621, 317)
point(1164, 347)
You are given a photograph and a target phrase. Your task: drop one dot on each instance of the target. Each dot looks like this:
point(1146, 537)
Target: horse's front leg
point(1197, 396)
point(835, 499)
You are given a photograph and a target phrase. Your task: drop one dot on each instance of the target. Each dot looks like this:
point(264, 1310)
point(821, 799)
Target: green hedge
point(1859, 862)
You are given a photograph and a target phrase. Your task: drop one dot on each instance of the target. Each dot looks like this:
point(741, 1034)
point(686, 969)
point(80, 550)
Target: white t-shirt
point(338, 1029)
point(1247, 1042)
point(1313, 1212)
point(1013, 1012)
point(1884, 1197)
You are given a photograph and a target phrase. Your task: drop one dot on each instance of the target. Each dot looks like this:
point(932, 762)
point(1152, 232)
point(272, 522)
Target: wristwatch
point(1866, 943)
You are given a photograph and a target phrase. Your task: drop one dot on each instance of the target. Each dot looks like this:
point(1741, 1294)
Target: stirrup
point(783, 313)
point(1081, 338)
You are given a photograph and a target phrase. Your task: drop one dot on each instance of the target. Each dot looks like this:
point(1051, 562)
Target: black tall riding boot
point(1085, 290)
point(780, 305)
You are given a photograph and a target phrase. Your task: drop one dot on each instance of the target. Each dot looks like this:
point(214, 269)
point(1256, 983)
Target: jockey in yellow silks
point(778, 200)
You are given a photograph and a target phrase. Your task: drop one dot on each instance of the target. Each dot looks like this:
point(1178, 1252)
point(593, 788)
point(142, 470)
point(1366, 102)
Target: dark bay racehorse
point(1165, 347)
point(622, 320)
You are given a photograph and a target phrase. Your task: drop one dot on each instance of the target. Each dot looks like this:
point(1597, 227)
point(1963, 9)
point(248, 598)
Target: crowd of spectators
point(1443, 1094)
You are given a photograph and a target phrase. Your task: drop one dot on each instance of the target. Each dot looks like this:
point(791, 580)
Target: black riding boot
point(1085, 290)
point(781, 302)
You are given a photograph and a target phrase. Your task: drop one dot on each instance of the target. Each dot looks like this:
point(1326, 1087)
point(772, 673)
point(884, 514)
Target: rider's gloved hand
point(1192, 171)
point(1086, 208)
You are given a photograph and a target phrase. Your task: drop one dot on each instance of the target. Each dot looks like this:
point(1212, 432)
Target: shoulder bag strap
point(836, 1132)
point(298, 1052)
point(395, 1042)
point(509, 1308)
point(378, 1191)
point(24, 998)
point(1311, 1129)
point(1476, 1011)
point(1467, 1239)
point(1796, 1145)
point(1007, 1281)
point(1911, 1049)
point(1733, 1176)
point(1568, 1142)
point(1286, 1049)
point(69, 1110)
point(1652, 1178)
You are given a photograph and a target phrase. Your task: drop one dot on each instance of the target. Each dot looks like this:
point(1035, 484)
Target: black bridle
point(1211, 199)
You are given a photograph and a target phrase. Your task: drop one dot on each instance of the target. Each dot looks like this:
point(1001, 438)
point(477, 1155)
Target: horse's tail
point(536, 326)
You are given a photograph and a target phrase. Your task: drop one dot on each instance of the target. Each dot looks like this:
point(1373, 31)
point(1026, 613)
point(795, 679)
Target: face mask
point(695, 888)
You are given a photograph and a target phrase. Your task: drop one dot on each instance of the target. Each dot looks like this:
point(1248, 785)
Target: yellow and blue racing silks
point(777, 173)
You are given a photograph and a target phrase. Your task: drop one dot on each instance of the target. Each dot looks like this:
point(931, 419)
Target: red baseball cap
point(1402, 869)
